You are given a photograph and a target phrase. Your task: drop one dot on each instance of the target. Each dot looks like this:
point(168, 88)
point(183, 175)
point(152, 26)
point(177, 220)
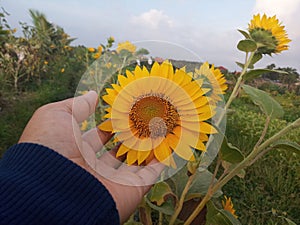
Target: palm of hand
point(56, 126)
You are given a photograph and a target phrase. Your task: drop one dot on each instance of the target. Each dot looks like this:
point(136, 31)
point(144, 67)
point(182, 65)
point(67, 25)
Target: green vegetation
point(270, 188)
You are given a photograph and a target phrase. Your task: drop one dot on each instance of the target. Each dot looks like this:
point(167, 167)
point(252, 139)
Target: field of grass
point(270, 189)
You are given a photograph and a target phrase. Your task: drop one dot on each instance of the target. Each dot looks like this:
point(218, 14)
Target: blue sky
point(204, 30)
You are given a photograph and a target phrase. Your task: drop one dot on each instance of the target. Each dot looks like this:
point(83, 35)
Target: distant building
point(223, 69)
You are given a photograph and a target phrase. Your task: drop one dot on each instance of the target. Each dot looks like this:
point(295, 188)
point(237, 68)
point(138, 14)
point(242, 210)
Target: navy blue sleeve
point(40, 186)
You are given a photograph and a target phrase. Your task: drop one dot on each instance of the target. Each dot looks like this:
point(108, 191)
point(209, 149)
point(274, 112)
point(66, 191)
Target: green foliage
point(230, 153)
point(266, 103)
point(217, 216)
point(247, 45)
point(273, 181)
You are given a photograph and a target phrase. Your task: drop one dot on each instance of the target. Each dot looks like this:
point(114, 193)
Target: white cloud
point(153, 19)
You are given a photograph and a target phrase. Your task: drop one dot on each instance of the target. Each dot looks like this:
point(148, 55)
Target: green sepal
point(245, 34)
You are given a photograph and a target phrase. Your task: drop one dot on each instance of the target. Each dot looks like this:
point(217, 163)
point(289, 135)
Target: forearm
point(39, 186)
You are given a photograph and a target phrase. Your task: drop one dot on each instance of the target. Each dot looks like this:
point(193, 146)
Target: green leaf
point(160, 192)
point(252, 74)
point(287, 145)
point(256, 57)
point(178, 181)
point(217, 216)
point(230, 153)
point(246, 35)
point(167, 207)
point(240, 64)
point(266, 103)
point(229, 166)
point(201, 184)
point(247, 45)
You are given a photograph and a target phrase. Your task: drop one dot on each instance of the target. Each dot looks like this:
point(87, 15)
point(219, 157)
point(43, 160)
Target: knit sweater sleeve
point(40, 186)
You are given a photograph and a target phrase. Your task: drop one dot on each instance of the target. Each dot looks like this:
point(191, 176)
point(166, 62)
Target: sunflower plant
point(176, 117)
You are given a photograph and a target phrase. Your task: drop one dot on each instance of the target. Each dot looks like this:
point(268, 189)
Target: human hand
point(56, 126)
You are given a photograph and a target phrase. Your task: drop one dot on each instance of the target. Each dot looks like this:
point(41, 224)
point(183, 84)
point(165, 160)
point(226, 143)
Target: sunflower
point(212, 79)
point(228, 205)
point(269, 34)
point(156, 113)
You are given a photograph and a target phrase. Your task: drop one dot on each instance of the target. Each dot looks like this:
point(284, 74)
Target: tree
point(290, 78)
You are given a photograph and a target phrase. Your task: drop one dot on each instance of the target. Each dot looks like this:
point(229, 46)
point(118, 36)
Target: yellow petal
point(200, 146)
point(108, 99)
point(142, 156)
point(131, 157)
point(145, 72)
point(162, 152)
point(180, 145)
point(155, 70)
point(106, 126)
point(207, 128)
point(167, 70)
point(122, 150)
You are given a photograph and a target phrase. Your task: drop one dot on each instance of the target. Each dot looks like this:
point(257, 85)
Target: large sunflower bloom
point(228, 205)
point(269, 33)
point(212, 79)
point(156, 113)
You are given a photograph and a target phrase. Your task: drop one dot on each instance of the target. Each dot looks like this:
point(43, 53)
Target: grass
point(17, 108)
point(270, 189)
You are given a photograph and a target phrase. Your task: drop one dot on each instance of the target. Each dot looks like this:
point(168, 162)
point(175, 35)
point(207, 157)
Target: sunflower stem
point(182, 198)
point(236, 88)
point(239, 81)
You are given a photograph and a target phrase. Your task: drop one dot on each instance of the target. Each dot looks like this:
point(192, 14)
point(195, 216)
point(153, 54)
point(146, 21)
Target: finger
point(108, 159)
point(83, 106)
point(151, 172)
point(96, 138)
point(129, 168)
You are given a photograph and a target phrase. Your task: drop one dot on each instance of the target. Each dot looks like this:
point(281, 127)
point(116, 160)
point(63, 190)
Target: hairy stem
point(264, 132)
point(181, 200)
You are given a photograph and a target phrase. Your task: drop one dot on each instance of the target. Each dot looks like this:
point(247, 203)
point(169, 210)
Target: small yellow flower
point(13, 30)
point(97, 55)
point(100, 49)
point(62, 70)
point(269, 33)
point(126, 46)
point(91, 49)
point(228, 205)
point(84, 125)
point(108, 65)
point(46, 62)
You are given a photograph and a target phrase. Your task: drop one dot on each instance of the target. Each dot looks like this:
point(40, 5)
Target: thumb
point(82, 107)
